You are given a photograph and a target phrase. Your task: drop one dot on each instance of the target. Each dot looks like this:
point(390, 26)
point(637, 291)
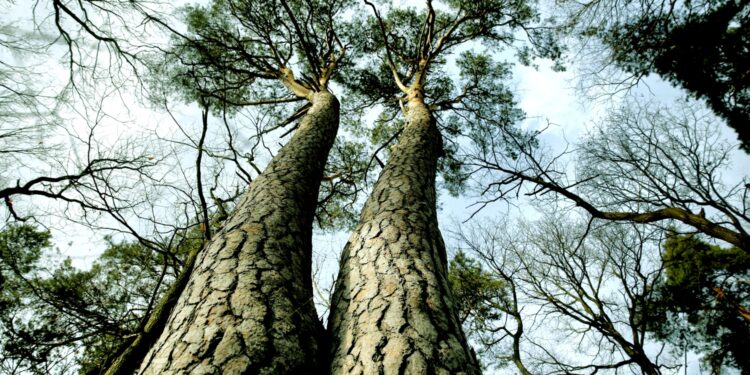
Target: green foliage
point(369, 82)
point(708, 285)
point(453, 170)
point(474, 106)
point(484, 117)
point(480, 299)
point(57, 317)
point(207, 66)
point(235, 52)
point(21, 251)
point(702, 47)
point(493, 22)
point(478, 296)
point(487, 104)
point(384, 128)
point(343, 185)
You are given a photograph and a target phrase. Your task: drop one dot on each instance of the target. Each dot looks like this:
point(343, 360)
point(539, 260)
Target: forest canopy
point(341, 186)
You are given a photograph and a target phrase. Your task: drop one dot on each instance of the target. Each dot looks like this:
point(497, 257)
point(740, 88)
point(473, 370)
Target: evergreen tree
point(392, 310)
point(56, 317)
point(703, 301)
point(247, 306)
point(703, 47)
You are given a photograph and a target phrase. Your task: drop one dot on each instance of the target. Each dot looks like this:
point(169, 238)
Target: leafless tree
point(643, 164)
point(602, 284)
point(496, 248)
point(586, 289)
point(67, 158)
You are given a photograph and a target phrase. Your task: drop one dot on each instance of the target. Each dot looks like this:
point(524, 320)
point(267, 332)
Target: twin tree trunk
point(248, 307)
point(392, 310)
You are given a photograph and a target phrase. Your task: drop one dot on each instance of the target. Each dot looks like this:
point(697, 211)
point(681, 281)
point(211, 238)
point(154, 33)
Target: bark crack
point(248, 296)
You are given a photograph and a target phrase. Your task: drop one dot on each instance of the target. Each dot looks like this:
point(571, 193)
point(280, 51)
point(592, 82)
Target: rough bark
point(392, 310)
point(247, 308)
point(128, 356)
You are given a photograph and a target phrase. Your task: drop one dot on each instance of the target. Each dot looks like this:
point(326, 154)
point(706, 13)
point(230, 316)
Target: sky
point(545, 95)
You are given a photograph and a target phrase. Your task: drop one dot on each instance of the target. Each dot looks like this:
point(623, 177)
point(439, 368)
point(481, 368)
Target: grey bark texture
point(128, 357)
point(247, 308)
point(392, 309)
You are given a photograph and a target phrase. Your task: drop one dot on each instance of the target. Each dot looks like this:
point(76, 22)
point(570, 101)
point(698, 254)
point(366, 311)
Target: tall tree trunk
point(127, 358)
point(392, 310)
point(248, 307)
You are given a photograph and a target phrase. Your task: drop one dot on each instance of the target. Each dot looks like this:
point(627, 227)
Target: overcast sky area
point(548, 98)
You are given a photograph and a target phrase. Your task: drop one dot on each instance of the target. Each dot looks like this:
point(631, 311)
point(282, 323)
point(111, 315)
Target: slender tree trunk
point(518, 334)
point(392, 310)
point(247, 308)
point(638, 355)
point(634, 350)
point(129, 355)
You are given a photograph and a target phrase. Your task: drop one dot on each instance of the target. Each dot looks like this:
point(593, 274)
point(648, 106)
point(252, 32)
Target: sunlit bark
point(248, 307)
point(392, 309)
